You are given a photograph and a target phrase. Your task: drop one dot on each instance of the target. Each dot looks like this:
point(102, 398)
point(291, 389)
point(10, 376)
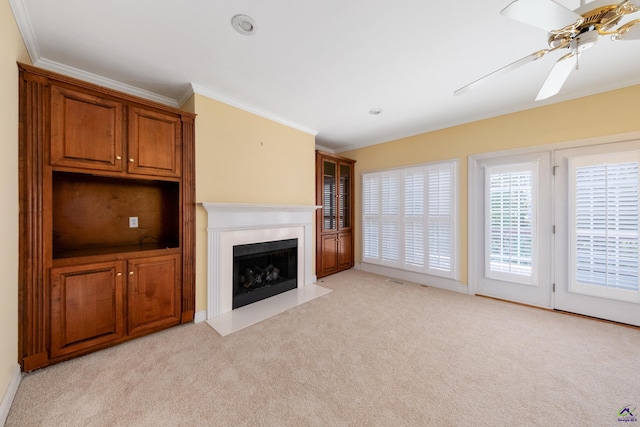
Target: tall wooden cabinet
point(107, 207)
point(334, 222)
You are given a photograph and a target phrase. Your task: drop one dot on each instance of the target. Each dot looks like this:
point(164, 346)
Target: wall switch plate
point(133, 222)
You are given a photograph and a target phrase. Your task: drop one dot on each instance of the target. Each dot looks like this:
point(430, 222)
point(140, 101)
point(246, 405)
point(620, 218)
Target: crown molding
point(104, 81)
point(19, 10)
point(201, 90)
point(327, 149)
point(26, 30)
point(28, 36)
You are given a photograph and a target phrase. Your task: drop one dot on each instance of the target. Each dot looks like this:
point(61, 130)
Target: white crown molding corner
point(325, 149)
point(26, 29)
point(204, 91)
point(188, 93)
point(9, 394)
point(104, 81)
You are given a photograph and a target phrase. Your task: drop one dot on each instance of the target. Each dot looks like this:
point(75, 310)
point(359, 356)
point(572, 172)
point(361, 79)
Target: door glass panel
point(345, 196)
point(604, 219)
point(329, 194)
point(511, 226)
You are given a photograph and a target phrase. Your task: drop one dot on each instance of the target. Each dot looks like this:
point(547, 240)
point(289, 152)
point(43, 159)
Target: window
point(604, 225)
point(511, 222)
point(409, 218)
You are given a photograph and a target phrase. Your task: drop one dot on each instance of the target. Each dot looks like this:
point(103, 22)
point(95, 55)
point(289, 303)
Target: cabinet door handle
point(131, 160)
point(131, 273)
point(118, 157)
point(118, 274)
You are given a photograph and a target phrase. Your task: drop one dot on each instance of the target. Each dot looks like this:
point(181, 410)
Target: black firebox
point(262, 270)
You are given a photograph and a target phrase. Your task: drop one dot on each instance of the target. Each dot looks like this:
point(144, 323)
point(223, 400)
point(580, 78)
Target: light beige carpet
point(371, 353)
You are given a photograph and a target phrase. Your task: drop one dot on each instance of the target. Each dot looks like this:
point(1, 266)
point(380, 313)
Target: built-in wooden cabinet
point(334, 221)
point(86, 130)
point(86, 306)
point(154, 143)
point(153, 296)
point(107, 207)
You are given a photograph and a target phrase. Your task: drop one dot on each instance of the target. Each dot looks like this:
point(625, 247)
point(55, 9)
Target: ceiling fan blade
point(629, 31)
point(517, 64)
point(558, 75)
point(545, 14)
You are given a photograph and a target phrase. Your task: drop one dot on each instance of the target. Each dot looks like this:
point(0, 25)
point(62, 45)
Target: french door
point(510, 217)
point(559, 229)
point(596, 238)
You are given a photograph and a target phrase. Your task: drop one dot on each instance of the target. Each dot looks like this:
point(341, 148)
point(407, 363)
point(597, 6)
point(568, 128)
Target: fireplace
point(231, 225)
point(262, 270)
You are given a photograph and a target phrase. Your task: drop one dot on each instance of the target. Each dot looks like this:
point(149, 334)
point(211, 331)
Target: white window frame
point(371, 215)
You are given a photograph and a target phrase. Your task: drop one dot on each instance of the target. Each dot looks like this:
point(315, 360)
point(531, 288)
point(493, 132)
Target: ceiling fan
point(576, 30)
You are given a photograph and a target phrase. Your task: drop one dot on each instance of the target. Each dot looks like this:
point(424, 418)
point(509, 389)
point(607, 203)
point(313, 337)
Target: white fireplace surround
point(231, 224)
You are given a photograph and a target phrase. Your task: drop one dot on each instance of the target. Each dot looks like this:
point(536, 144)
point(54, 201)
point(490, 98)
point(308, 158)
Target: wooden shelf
point(91, 214)
point(80, 255)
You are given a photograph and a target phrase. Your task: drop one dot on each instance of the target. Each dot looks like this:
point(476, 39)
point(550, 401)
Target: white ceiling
point(319, 66)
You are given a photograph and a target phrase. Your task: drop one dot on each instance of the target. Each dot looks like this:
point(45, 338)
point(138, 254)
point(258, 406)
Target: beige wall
point(244, 158)
point(12, 49)
point(610, 113)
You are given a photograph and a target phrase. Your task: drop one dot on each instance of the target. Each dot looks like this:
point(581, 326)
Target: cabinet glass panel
point(329, 194)
point(345, 196)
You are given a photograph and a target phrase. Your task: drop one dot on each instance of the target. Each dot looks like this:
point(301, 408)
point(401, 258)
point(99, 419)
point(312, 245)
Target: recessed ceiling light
point(244, 24)
point(375, 111)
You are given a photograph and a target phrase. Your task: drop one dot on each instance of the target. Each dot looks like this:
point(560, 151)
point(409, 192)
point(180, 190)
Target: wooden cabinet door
point(86, 130)
point(86, 306)
point(328, 255)
point(153, 293)
point(345, 251)
point(154, 143)
point(328, 195)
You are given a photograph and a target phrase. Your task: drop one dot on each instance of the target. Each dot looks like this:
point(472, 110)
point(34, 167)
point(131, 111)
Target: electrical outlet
point(133, 222)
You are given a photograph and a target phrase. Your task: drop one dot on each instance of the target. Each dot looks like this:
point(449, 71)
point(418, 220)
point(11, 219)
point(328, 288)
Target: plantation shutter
point(440, 219)
point(390, 201)
point(409, 218)
point(604, 222)
point(371, 217)
point(511, 225)
point(414, 218)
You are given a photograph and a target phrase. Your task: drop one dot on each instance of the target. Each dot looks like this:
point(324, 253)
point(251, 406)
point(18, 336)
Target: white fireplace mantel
point(236, 223)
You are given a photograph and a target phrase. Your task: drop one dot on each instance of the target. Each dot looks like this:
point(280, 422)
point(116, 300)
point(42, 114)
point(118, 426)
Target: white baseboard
point(9, 394)
point(410, 276)
point(200, 316)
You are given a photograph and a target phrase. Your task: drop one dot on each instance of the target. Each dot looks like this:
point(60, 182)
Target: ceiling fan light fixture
point(244, 25)
point(586, 40)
